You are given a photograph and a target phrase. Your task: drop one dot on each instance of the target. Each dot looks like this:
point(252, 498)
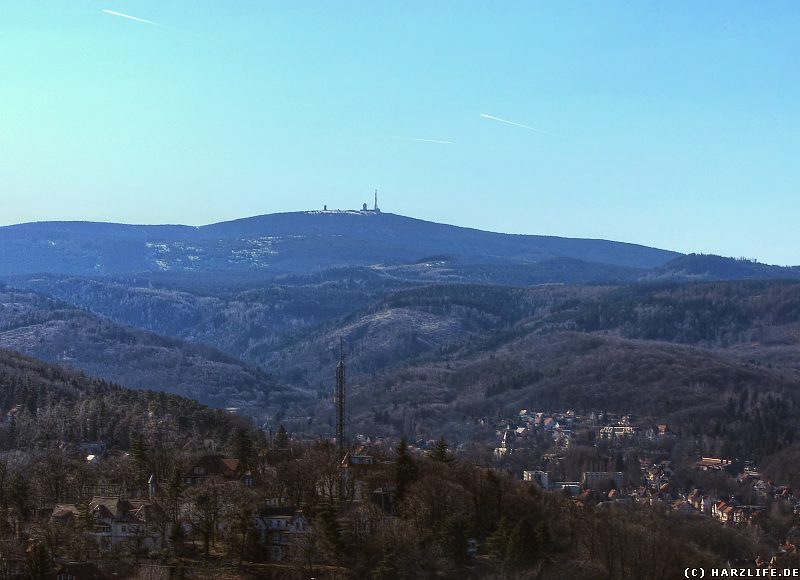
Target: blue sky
point(671, 124)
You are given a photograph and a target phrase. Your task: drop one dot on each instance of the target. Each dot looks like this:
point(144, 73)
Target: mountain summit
point(297, 242)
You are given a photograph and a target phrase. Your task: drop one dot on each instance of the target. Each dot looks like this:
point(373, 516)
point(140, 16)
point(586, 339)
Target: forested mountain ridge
point(254, 321)
point(58, 332)
point(433, 358)
point(699, 267)
point(269, 247)
point(713, 314)
point(731, 406)
point(438, 359)
point(288, 242)
point(754, 320)
point(291, 329)
point(53, 406)
point(244, 323)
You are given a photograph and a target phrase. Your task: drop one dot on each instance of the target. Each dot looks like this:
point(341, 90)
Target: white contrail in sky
point(424, 140)
point(132, 17)
point(515, 124)
point(428, 140)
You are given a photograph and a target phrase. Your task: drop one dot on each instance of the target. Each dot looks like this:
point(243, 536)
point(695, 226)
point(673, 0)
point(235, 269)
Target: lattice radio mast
point(338, 398)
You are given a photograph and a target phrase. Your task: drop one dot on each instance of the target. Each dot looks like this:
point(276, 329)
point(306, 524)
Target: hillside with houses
point(101, 480)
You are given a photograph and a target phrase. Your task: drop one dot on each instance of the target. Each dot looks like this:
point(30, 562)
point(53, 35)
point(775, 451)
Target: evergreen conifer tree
point(282, 438)
point(37, 563)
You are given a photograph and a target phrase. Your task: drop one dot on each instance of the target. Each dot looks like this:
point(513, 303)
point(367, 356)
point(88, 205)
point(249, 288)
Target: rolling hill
point(58, 332)
point(692, 389)
point(58, 408)
point(299, 242)
point(703, 267)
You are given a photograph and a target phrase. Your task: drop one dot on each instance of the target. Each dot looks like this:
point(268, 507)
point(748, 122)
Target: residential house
point(659, 433)
point(659, 473)
point(217, 466)
point(355, 470)
point(117, 520)
point(747, 514)
point(595, 479)
point(64, 513)
point(682, 506)
point(562, 436)
point(723, 512)
point(573, 487)
point(542, 478)
point(120, 520)
point(617, 432)
point(281, 531)
point(712, 464)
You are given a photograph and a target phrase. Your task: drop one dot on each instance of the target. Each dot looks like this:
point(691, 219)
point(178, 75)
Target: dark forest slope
point(53, 407)
point(57, 332)
point(729, 405)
